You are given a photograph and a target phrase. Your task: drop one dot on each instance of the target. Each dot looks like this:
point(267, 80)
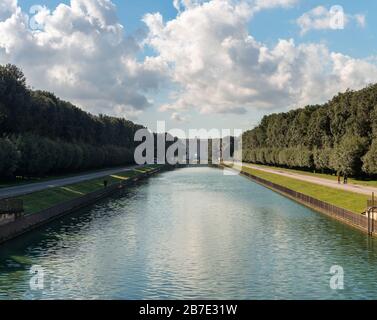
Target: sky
point(193, 63)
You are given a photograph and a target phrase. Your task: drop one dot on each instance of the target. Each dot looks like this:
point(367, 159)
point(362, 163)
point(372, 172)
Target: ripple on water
point(192, 234)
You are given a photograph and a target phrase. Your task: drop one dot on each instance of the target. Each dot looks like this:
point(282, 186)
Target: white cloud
point(321, 18)
point(82, 55)
point(220, 68)
point(7, 7)
point(256, 5)
point(177, 4)
point(206, 52)
point(178, 117)
point(266, 4)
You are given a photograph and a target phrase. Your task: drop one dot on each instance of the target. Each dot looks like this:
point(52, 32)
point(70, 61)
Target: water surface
point(192, 234)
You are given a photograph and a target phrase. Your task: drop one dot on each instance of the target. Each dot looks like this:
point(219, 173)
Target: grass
point(344, 199)
point(25, 181)
point(45, 199)
point(367, 183)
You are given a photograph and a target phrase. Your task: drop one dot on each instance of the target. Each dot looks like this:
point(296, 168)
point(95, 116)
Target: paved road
point(38, 186)
point(321, 181)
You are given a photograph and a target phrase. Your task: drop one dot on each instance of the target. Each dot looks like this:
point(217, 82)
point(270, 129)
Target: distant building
point(198, 145)
point(187, 151)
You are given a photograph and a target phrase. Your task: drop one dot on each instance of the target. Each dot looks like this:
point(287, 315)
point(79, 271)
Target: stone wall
point(32, 221)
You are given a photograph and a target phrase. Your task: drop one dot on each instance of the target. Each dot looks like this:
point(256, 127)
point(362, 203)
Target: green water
point(192, 234)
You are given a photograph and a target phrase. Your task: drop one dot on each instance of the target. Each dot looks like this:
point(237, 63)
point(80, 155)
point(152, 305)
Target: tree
point(346, 156)
point(52, 135)
point(303, 158)
point(370, 160)
point(321, 158)
point(13, 98)
point(9, 157)
point(37, 155)
point(333, 136)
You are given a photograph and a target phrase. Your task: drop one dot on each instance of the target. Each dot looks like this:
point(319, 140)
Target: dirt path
point(321, 181)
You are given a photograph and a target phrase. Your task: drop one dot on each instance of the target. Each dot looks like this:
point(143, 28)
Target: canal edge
point(34, 221)
point(363, 221)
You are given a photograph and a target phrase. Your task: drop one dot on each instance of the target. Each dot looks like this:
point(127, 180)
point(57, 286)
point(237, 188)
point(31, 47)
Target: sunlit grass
point(45, 199)
point(333, 177)
point(344, 199)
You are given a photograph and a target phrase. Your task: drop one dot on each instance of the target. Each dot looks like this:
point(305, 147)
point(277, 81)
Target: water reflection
point(191, 234)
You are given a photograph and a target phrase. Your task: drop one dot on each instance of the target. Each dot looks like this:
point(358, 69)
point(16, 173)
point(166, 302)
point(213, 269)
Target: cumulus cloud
point(254, 5)
point(219, 67)
point(182, 4)
point(7, 8)
point(321, 18)
point(207, 53)
point(81, 54)
point(266, 4)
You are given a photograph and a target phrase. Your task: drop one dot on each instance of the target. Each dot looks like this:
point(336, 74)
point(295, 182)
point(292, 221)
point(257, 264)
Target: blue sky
point(356, 41)
point(130, 12)
point(267, 27)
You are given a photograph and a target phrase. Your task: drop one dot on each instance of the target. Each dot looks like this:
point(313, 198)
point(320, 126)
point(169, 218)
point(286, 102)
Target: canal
point(191, 234)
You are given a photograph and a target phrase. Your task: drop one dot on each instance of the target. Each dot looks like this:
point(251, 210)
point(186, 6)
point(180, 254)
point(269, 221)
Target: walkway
point(38, 186)
point(366, 190)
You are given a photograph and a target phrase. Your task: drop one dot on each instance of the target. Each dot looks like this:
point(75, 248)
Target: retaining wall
point(29, 222)
point(356, 220)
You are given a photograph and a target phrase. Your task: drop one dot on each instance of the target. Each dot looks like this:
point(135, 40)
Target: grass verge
point(344, 199)
point(18, 181)
point(367, 183)
point(37, 201)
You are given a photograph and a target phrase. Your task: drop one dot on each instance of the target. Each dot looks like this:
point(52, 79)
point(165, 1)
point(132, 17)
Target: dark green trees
point(370, 159)
point(346, 156)
point(9, 158)
point(339, 136)
point(321, 158)
point(43, 114)
point(41, 134)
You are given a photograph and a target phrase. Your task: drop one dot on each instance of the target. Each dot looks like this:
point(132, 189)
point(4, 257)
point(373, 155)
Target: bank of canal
point(44, 206)
point(189, 234)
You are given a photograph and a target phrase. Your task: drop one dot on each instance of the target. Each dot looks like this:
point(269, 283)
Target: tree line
point(339, 136)
point(41, 134)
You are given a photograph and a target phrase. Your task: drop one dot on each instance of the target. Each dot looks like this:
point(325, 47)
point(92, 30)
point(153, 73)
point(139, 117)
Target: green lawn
point(41, 200)
point(368, 183)
point(22, 181)
point(348, 200)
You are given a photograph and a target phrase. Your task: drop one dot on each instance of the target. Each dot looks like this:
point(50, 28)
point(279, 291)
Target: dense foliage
point(339, 136)
point(40, 134)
